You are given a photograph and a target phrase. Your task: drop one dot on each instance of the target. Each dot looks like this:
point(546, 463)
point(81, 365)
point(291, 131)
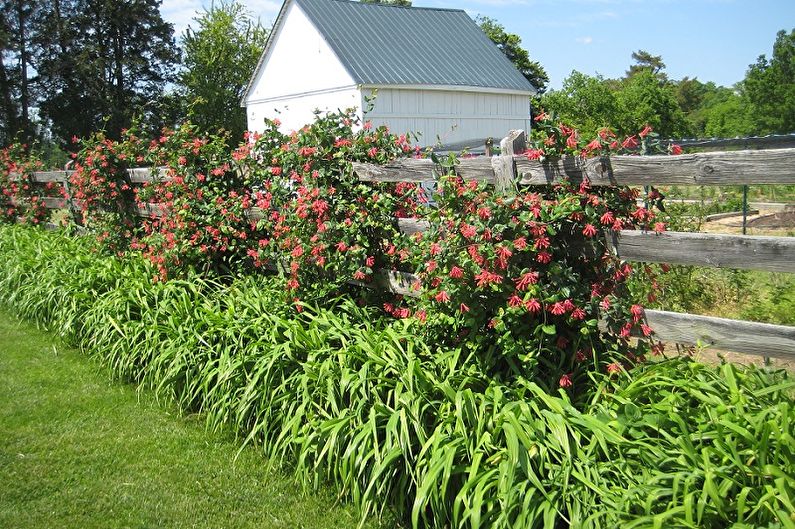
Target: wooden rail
point(775, 166)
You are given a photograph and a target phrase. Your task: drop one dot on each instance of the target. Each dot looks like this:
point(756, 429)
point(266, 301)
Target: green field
point(77, 450)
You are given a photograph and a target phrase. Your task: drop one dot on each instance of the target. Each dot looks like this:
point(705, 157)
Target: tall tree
point(769, 86)
point(220, 55)
point(646, 62)
point(17, 34)
point(103, 61)
point(511, 45)
point(9, 110)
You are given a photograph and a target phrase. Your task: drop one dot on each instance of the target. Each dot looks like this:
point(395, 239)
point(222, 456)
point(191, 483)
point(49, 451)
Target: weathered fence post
point(504, 168)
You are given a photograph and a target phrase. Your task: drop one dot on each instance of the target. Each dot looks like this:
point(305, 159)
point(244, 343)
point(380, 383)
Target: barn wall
point(295, 112)
point(452, 115)
point(299, 73)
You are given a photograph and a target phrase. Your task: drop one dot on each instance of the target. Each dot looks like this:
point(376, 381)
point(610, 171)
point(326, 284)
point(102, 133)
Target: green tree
point(643, 100)
point(769, 86)
point(646, 62)
point(101, 62)
point(511, 45)
point(219, 58)
point(585, 102)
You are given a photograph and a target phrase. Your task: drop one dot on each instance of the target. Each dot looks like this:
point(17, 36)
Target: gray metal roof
point(389, 45)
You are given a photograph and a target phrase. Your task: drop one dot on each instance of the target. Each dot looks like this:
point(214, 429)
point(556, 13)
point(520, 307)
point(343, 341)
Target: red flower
point(341, 246)
point(468, 231)
point(589, 230)
point(676, 149)
point(645, 131)
point(630, 143)
point(613, 368)
point(565, 381)
point(527, 279)
point(515, 301)
point(463, 308)
point(442, 297)
point(659, 227)
point(557, 309)
point(456, 273)
point(637, 312)
point(359, 275)
point(532, 306)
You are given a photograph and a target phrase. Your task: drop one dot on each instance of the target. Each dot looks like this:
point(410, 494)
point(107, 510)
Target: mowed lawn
point(78, 450)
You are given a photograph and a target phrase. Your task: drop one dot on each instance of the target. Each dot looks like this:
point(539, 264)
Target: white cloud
point(584, 40)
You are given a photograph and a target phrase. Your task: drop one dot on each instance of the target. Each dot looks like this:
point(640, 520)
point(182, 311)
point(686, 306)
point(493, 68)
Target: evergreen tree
point(102, 62)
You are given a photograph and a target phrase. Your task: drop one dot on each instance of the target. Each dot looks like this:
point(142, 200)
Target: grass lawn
point(77, 450)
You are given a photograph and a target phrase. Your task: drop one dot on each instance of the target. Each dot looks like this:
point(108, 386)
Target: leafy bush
point(349, 396)
point(21, 197)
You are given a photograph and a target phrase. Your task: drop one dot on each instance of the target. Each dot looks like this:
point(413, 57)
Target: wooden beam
point(140, 175)
point(423, 170)
point(774, 166)
point(152, 210)
point(412, 226)
point(736, 336)
point(55, 202)
point(51, 176)
point(729, 214)
point(774, 254)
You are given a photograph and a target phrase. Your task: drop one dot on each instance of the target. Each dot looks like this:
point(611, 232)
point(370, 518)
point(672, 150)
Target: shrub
point(350, 396)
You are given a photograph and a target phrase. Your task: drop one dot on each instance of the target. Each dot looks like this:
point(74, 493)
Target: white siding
point(299, 74)
point(450, 115)
point(295, 112)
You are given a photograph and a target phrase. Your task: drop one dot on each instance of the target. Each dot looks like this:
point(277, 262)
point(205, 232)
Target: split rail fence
point(505, 172)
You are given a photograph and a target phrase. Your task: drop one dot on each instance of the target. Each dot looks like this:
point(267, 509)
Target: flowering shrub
point(521, 280)
point(22, 198)
point(103, 192)
point(321, 224)
point(202, 222)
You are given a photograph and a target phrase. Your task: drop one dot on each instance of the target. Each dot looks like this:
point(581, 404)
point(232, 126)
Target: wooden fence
point(776, 254)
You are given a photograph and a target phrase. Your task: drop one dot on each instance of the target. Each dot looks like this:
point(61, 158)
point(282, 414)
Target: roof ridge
point(379, 5)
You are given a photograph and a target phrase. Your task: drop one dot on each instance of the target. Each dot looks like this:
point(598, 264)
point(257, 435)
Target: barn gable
point(295, 46)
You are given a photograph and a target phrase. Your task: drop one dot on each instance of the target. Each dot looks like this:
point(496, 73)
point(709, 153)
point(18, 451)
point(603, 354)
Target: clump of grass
point(347, 398)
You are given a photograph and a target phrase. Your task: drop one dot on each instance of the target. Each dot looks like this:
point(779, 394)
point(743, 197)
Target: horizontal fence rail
point(773, 166)
point(776, 254)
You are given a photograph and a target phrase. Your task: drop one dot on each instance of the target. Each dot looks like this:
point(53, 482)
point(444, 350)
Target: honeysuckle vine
point(527, 280)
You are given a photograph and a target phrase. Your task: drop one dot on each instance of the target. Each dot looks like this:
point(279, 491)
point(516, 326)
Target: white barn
point(436, 73)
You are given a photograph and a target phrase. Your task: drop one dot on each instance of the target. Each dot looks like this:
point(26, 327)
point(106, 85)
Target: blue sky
point(713, 40)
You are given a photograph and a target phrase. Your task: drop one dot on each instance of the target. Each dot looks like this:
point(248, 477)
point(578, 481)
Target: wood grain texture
point(514, 143)
point(774, 254)
point(55, 202)
point(775, 166)
point(423, 170)
point(152, 210)
point(51, 176)
point(140, 175)
point(729, 335)
point(412, 226)
point(396, 282)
